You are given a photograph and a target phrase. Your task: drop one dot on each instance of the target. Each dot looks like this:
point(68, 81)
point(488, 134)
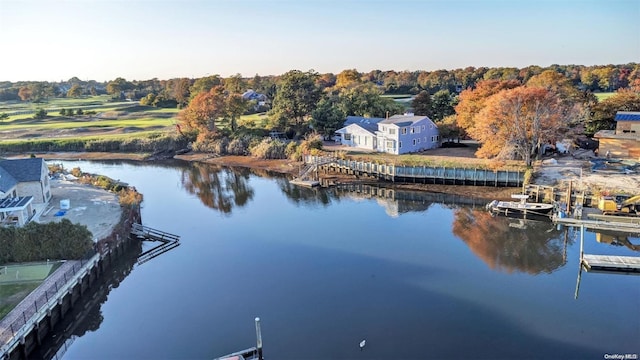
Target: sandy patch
point(561, 170)
point(96, 208)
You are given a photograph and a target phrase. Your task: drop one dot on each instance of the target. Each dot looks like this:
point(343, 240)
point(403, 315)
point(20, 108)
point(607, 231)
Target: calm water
point(416, 278)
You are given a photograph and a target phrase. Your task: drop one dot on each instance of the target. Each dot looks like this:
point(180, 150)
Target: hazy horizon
point(140, 40)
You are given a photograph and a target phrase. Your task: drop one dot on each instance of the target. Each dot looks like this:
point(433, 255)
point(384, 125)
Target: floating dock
point(607, 263)
point(610, 263)
point(598, 224)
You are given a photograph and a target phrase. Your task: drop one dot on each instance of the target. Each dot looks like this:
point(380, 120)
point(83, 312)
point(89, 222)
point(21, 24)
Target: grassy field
point(58, 103)
point(108, 121)
point(17, 281)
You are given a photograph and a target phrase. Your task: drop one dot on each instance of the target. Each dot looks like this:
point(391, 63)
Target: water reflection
point(86, 314)
point(218, 188)
point(512, 245)
point(618, 239)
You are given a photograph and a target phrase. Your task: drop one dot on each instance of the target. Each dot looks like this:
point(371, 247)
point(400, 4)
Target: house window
point(422, 127)
point(347, 136)
point(392, 131)
point(399, 144)
point(414, 142)
point(413, 130)
point(418, 140)
point(432, 126)
point(404, 131)
point(417, 129)
point(389, 144)
point(365, 140)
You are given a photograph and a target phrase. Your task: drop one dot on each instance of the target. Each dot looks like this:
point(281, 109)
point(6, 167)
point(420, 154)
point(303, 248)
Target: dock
point(598, 224)
point(615, 218)
point(607, 263)
point(167, 241)
point(610, 263)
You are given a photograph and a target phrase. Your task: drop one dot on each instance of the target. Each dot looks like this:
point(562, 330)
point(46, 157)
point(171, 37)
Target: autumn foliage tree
point(518, 121)
point(204, 109)
point(471, 101)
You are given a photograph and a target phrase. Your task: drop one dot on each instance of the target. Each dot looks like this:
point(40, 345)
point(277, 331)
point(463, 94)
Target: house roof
point(627, 116)
point(369, 124)
point(7, 182)
point(23, 170)
point(404, 120)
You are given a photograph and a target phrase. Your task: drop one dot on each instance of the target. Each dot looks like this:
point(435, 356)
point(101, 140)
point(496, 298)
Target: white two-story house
point(399, 134)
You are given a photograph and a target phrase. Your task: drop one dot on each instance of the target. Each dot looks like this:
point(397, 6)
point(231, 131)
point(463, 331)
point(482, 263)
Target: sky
point(54, 40)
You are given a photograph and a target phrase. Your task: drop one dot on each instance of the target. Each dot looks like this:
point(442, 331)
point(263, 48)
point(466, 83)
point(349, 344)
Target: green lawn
point(73, 123)
point(397, 96)
point(57, 103)
point(12, 294)
point(17, 281)
point(254, 121)
point(604, 96)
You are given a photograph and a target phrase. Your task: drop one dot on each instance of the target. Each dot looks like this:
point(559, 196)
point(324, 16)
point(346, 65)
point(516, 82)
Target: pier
point(167, 241)
point(598, 224)
point(607, 263)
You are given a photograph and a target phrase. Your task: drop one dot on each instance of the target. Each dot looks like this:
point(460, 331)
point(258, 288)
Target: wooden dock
point(598, 224)
point(607, 263)
point(168, 241)
point(615, 218)
point(610, 263)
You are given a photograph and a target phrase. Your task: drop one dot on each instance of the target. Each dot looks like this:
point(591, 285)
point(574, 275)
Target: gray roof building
point(24, 170)
point(7, 182)
point(369, 124)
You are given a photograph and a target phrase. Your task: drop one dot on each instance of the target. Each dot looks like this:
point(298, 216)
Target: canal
point(419, 276)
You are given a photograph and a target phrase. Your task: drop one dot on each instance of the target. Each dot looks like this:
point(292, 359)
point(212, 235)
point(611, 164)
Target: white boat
point(519, 207)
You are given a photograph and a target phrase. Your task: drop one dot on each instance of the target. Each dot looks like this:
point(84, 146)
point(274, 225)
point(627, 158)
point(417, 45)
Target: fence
point(46, 297)
point(425, 174)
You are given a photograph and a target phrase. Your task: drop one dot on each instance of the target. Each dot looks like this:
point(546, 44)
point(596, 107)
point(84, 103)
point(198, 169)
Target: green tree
point(3, 117)
point(75, 91)
point(443, 105)
point(448, 129)
point(205, 84)
point(63, 112)
point(79, 112)
point(422, 104)
point(116, 87)
point(181, 91)
point(327, 117)
point(235, 84)
point(40, 114)
point(366, 100)
point(296, 97)
point(235, 106)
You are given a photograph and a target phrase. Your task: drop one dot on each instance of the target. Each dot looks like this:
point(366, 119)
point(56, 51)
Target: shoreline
point(289, 167)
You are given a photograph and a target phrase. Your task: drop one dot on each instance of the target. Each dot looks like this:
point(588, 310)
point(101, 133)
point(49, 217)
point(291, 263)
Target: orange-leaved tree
point(204, 109)
point(472, 100)
point(518, 121)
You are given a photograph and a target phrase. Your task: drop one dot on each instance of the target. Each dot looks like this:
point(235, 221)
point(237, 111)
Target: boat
point(521, 207)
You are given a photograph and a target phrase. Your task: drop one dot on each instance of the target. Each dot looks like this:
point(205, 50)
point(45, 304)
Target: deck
point(626, 264)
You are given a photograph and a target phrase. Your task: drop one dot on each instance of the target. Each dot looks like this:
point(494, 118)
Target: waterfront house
point(399, 134)
point(359, 132)
point(624, 141)
point(402, 134)
point(23, 184)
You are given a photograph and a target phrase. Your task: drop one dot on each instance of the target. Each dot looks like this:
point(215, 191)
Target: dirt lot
point(98, 209)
